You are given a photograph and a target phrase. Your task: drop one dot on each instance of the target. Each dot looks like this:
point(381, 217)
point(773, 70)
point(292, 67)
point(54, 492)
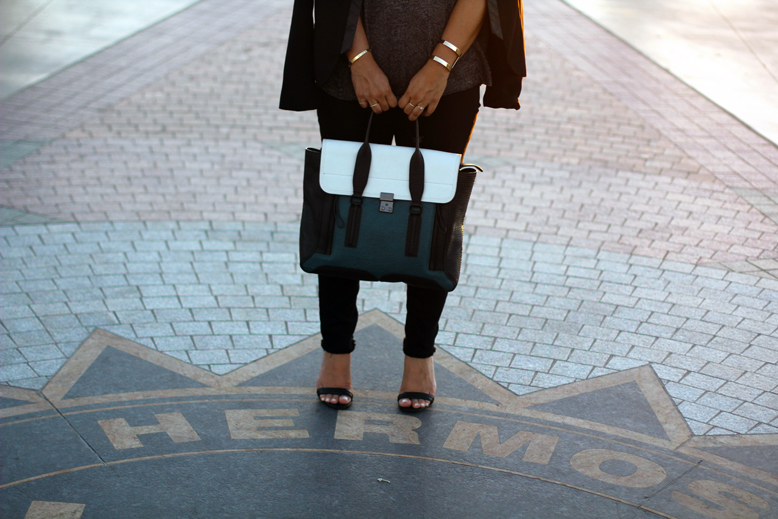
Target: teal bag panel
point(380, 251)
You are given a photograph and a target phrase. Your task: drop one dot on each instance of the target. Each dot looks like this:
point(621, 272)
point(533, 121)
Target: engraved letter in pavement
point(123, 436)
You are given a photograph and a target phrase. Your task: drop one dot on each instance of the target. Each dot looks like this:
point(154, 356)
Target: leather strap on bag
point(416, 185)
point(359, 181)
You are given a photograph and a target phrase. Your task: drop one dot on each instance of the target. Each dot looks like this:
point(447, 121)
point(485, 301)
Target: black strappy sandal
point(335, 391)
point(418, 396)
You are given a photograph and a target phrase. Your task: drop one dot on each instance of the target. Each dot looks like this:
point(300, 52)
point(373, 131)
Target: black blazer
point(311, 54)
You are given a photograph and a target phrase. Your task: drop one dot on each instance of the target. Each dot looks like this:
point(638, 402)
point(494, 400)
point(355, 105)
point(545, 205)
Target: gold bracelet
point(443, 62)
point(355, 58)
point(452, 47)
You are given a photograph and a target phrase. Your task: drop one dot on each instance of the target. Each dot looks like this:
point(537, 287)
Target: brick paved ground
point(622, 219)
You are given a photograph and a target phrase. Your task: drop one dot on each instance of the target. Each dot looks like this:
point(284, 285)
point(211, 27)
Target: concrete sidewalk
point(625, 227)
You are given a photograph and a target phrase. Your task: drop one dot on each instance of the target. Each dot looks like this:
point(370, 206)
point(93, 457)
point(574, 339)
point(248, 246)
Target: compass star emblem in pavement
point(125, 431)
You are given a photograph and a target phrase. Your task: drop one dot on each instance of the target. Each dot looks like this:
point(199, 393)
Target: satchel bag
point(384, 213)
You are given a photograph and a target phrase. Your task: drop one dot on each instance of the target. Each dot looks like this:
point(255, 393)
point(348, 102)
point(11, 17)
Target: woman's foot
point(335, 371)
point(418, 377)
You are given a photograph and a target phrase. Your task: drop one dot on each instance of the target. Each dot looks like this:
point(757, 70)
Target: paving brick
point(768, 399)
point(463, 354)
point(571, 369)
point(174, 343)
point(473, 341)
point(702, 381)
point(14, 372)
point(697, 412)
point(548, 380)
point(756, 412)
point(720, 402)
point(668, 373)
point(489, 371)
point(22, 325)
point(153, 330)
point(684, 392)
point(511, 375)
point(34, 338)
point(533, 363)
point(611, 348)
point(493, 358)
point(520, 347)
point(47, 368)
point(551, 352)
point(733, 423)
point(209, 357)
point(758, 381)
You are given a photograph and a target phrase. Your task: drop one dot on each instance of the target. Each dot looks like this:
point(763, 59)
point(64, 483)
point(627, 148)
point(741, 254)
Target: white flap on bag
point(388, 171)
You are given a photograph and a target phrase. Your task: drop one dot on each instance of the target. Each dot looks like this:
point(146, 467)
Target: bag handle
point(365, 157)
point(415, 186)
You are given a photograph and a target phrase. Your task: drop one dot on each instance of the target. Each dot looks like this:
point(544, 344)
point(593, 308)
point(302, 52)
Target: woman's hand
point(371, 85)
point(424, 91)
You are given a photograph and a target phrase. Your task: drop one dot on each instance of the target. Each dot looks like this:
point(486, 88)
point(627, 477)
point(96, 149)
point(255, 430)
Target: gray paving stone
point(493, 358)
point(174, 343)
point(35, 338)
point(22, 325)
point(768, 399)
point(756, 412)
point(11, 356)
point(37, 353)
point(667, 373)
point(243, 356)
point(489, 371)
point(720, 402)
point(697, 412)
point(47, 368)
point(153, 330)
point(684, 392)
point(212, 342)
point(282, 341)
point(520, 347)
point(15, 372)
point(611, 348)
point(252, 341)
point(551, 352)
point(740, 391)
point(512, 375)
point(571, 369)
point(192, 328)
point(215, 356)
point(702, 381)
point(733, 423)
point(548, 380)
point(69, 335)
point(473, 341)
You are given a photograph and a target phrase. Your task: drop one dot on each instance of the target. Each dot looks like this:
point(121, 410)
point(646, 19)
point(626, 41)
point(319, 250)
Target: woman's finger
point(430, 109)
point(410, 107)
point(416, 112)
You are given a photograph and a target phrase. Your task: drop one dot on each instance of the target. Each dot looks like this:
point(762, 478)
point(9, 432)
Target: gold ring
point(371, 106)
point(413, 105)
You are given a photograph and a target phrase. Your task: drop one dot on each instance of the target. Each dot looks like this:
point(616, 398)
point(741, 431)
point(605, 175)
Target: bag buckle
point(387, 203)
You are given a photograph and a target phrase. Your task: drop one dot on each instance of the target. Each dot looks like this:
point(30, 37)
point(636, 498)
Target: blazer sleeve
point(505, 53)
point(313, 49)
point(298, 89)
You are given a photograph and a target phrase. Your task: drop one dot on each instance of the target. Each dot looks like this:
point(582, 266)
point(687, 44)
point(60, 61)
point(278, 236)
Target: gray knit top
point(402, 35)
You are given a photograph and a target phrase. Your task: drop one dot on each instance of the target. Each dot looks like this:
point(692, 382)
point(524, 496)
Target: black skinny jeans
point(447, 129)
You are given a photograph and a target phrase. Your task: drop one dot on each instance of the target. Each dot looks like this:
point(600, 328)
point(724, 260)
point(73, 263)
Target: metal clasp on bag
point(387, 203)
